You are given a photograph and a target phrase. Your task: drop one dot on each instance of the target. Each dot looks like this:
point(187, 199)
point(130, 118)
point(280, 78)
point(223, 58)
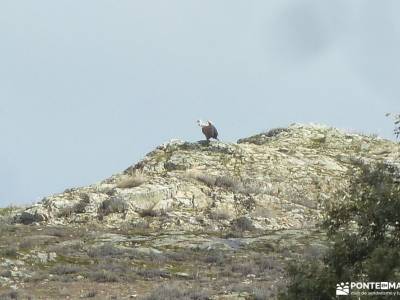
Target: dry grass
point(228, 182)
point(221, 213)
point(151, 210)
point(10, 251)
point(59, 232)
point(136, 225)
point(215, 256)
point(80, 207)
point(6, 211)
point(265, 212)
point(110, 271)
point(207, 179)
point(6, 274)
point(103, 264)
point(275, 131)
point(106, 250)
point(77, 208)
point(131, 181)
point(65, 212)
point(242, 224)
point(177, 292)
point(153, 273)
point(102, 276)
point(9, 295)
point(90, 294)
point(30, 242)
point(249, 186)
point(62, 269)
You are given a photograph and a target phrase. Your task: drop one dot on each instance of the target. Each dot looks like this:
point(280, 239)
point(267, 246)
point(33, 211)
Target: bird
point(208, 130)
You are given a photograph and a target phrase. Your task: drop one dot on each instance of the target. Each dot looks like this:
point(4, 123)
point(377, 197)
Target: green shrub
point(310, 280)
point(9, 252)
point(363, 225)
point(396, 120)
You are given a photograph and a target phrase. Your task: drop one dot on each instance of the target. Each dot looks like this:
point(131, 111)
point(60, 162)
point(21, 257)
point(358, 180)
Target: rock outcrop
point(190, 221)
point(279, 179)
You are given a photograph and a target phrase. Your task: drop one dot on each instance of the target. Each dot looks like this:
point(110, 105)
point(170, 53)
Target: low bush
point(229, 183)
point(131, 181)
point(215, 257)
point(78, 208)
point(102, 276)
point(362, 225)
point(9, 252)
point(275, 131)
point(245, 268)
point(149, 211)
point(9, 295)
point(220, 214)
point(63, 269)
point(208, 180)
point(90, 294)
point(242, 224)
point(177, 292)
point(6, 273)
point(106, 250)
point(113, 205)
point(153, 273)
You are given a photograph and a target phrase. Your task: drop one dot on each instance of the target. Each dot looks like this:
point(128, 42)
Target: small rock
point(182, 274)
point(46, 257)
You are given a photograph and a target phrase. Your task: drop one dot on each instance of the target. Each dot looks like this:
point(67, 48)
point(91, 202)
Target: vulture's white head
point(200, 123)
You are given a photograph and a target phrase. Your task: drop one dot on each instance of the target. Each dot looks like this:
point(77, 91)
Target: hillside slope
point(216, 218)
point(278, 180)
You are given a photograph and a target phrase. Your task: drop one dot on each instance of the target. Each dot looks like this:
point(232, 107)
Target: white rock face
point(278, 180)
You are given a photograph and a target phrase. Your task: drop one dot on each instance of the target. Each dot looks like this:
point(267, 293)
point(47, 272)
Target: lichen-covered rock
point(32, 215)
point(278, 179)
point(46, 257)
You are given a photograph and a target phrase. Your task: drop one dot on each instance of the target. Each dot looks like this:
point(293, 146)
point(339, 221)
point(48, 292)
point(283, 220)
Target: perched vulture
point(208, 129)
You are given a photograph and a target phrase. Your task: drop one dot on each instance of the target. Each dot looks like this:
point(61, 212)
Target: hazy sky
point(87, 88)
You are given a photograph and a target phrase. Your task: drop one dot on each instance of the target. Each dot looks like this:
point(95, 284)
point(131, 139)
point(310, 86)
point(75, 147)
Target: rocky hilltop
point(276, 180)
point(215, 219)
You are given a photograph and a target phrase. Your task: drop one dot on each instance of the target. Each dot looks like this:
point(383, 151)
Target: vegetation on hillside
point(363, 226)
point(396, 120)
point(215, 221)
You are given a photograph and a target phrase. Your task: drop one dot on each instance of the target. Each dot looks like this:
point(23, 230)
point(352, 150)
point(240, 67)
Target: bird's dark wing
point(204, 130)
point(215, 132)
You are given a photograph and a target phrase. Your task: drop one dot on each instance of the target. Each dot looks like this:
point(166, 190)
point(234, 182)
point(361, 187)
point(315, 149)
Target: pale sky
point(87, 88)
